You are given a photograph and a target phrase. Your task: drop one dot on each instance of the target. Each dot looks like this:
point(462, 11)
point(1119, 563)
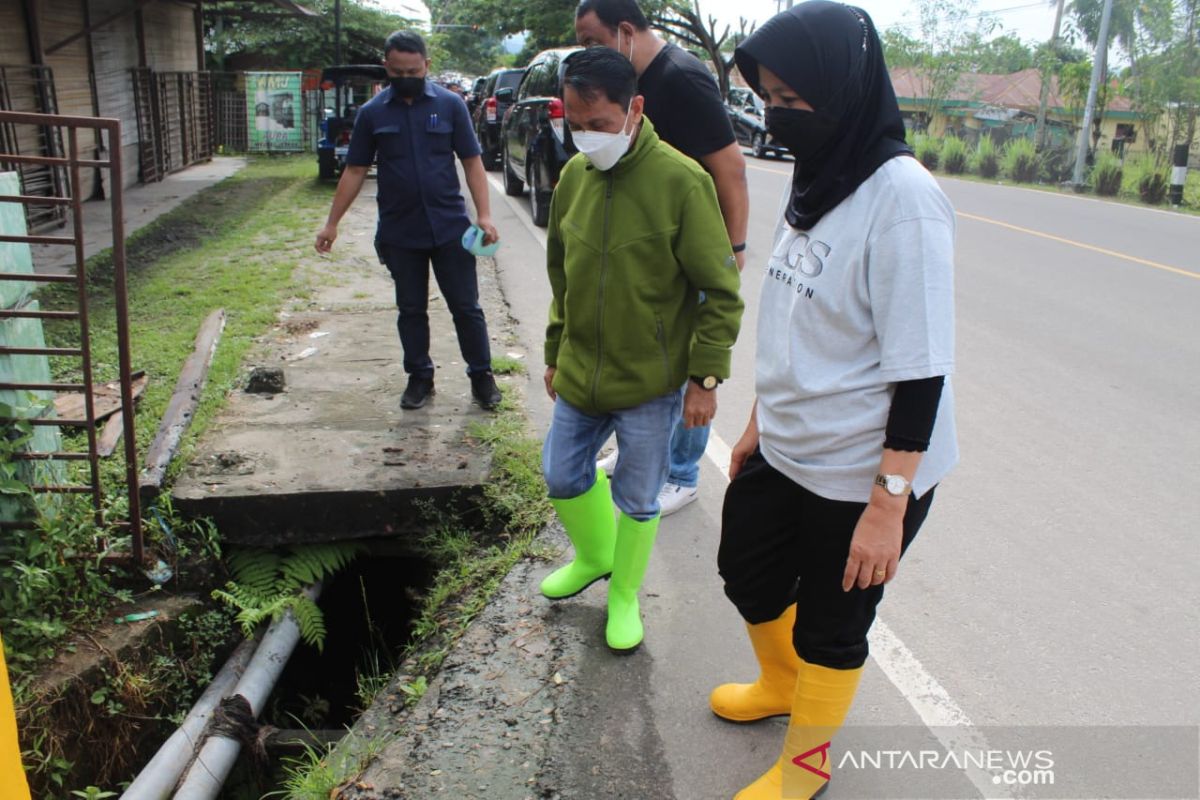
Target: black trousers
point(782, 544)
point(454, 269)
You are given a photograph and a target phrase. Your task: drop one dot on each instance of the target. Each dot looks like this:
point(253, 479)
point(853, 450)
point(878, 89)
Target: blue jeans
point(687, 448)
point(644, 441)
point(454, 269)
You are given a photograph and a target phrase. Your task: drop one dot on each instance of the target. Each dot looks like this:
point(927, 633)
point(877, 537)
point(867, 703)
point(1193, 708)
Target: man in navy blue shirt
point(416, 128)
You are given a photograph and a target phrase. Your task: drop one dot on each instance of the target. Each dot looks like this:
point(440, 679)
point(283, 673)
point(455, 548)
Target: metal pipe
point(208, 772)
point(159, 776)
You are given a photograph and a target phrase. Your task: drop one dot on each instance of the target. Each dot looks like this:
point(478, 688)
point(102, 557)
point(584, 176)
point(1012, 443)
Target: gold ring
point(879, 573)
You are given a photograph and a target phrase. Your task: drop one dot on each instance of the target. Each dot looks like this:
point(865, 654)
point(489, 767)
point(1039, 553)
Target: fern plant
point(267, 584)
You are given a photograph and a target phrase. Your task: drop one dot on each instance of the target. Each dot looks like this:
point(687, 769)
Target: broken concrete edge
point(484, 724)
point(308, 517)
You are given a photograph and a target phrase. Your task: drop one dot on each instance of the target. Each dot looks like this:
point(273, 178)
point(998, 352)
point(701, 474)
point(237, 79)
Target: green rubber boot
point(592, 529)
point(635, 540)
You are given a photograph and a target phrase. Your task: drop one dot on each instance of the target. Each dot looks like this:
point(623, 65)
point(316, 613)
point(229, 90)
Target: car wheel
point(491, 160)
point(326, 165)
point(513, 187)
point(539, 201)
point(759, 144)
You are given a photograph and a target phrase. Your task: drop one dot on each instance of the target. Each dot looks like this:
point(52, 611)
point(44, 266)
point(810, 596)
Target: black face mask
point(804, 133)
point(407, 88)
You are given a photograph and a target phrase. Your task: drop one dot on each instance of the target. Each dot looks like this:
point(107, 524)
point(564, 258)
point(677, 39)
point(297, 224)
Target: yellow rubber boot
point(12, 775)
point(771, 694)
point(822, 698)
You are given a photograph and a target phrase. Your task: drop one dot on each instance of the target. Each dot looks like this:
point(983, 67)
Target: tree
point(1074, 82)
point(942, 52)
point(1002, 55)
point(684, 21)
point(289, 42)
point(545, 23)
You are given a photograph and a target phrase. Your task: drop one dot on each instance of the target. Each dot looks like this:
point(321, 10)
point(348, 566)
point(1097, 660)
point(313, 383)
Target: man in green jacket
point(635, 234)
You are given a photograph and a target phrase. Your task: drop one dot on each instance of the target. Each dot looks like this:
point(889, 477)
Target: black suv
point(748, 116)
point(489, 112)
point(536, 142)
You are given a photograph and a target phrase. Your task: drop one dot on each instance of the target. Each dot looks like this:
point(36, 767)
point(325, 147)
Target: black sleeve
point(914, 410)
point(697, 122)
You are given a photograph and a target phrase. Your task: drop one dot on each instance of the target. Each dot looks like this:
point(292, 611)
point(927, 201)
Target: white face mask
point(604, 150)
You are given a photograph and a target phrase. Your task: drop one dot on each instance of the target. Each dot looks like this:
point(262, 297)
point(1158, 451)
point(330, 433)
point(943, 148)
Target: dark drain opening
point(369, 609)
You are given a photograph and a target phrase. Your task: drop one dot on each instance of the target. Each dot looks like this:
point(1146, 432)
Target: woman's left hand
point(875, 547)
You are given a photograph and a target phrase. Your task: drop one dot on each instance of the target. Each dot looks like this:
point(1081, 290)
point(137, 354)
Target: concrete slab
point(333, 456)
point(143, 204)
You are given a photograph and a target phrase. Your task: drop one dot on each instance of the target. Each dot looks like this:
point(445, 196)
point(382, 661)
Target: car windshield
point(509, 80)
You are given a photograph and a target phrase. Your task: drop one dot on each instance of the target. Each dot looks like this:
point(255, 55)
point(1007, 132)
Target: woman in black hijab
point(853, 425)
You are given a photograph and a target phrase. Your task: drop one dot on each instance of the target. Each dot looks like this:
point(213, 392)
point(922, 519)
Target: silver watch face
point(896, 484)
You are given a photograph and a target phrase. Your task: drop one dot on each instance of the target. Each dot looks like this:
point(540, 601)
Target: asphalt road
point(1055, 582)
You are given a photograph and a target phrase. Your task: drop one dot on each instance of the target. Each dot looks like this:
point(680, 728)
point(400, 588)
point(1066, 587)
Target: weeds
point(986, 162)
point(954, 155)
point(1021, 162)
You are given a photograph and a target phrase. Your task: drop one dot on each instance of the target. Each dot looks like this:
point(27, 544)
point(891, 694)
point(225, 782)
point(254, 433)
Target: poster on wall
point(273, 108)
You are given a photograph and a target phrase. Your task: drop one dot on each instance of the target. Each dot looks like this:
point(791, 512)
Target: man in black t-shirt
point(685, 104)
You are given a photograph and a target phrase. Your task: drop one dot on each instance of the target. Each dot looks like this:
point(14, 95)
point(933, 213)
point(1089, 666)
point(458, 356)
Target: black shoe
point(417, 393)
point(485, 390)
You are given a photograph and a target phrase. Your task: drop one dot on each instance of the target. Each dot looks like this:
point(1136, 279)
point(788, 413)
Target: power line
point(981, 15)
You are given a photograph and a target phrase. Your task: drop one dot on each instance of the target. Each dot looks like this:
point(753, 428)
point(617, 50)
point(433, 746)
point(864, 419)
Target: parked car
point(343, 91)
point(490, 110)
point(748, 115)
point(535, 140)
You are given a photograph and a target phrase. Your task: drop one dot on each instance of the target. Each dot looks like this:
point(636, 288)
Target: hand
point(741, 260)
point(550, 382)
point(744, 448)
point(699, 406)
point(875, 546)
point(491, 235)
point(325, 238)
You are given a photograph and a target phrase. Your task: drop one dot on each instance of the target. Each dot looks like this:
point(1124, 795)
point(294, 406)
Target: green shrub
point(954, 155)
point(1021, 161)
point(927, 151)
point(986, 163)
point(1152, 187)
point(1107, 175)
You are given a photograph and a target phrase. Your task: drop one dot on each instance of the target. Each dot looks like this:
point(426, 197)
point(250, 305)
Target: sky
point(1030, 20)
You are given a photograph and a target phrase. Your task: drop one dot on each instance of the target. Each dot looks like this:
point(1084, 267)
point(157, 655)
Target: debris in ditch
point(305, 353)
point(266, 380)
point(138, 617)
point(106, 398)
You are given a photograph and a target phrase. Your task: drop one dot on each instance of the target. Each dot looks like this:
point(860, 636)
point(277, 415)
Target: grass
point(235, 246)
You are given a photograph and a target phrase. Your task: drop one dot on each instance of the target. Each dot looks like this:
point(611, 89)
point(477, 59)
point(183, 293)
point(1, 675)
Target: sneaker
point(485, 391)
point(674, 497)
point(417, 393)
point(608, 463)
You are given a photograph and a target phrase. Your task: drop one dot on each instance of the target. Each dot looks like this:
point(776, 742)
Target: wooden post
point(181, 407)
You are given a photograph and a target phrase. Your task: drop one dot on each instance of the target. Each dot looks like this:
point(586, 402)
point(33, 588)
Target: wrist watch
point(895, 485)
point(708, 382)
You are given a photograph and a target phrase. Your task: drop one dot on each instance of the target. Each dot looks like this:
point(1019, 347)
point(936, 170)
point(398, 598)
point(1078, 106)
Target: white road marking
point(928, 698)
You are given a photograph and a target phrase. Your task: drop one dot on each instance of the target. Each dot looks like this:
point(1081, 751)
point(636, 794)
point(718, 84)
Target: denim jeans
point(643, 438)
point(687, 448)
point(454, 269)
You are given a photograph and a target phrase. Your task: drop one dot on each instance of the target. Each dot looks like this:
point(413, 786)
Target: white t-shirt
point(863, 300)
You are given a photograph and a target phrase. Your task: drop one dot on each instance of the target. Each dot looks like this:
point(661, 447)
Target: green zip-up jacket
point(628, 252)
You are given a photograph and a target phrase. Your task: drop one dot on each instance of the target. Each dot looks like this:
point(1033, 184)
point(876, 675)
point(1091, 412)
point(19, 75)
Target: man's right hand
point(325, 238)
point(550, 382)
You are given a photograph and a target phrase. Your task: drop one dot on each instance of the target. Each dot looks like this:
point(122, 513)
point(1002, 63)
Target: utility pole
point(1039, 136)
point(337, 31)
point(1098, 64)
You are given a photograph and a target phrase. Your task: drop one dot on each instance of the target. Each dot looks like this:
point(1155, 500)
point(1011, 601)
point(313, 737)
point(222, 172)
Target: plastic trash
point(472, 241)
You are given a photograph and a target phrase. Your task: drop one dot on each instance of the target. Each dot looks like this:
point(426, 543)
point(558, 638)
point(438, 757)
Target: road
point(1055, 583)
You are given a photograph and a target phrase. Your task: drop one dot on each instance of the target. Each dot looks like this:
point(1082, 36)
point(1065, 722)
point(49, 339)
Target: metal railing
point(31, 89)
point(72, 163)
